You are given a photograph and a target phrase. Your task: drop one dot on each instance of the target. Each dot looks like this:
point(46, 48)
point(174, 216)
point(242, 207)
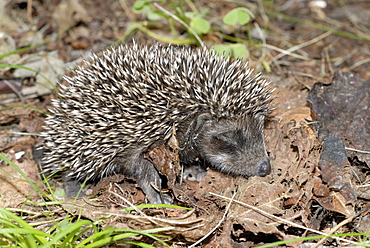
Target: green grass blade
point(29, 69)
point(60, 236)
point(33, 185)
point(25, 106)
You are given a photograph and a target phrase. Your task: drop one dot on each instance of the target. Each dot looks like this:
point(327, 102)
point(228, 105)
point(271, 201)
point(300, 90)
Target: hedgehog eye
point(225, 140)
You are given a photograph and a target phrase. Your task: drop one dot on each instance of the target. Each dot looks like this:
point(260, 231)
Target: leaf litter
point(319, 152)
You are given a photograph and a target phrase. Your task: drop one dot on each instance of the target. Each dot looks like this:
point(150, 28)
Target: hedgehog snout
point(263, 168)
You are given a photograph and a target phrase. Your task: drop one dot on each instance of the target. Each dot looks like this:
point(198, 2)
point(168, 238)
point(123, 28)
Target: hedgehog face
point(235, 146)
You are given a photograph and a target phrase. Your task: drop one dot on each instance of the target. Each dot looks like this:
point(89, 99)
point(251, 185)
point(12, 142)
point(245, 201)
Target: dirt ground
point(317, 56)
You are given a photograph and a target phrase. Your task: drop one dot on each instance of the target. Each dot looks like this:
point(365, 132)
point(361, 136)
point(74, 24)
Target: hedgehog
point(120, 104)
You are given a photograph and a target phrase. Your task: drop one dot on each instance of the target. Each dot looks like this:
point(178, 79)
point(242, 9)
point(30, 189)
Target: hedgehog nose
point(264, 168)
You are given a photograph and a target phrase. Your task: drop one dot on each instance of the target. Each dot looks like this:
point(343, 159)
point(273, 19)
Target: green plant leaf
point(238, 16)
point(145, 7)
point(240, 51)
point(191, 15)
point(154, 15)
point(267, 66)
point(140, 4)
point(200, 25)
point(222, 50)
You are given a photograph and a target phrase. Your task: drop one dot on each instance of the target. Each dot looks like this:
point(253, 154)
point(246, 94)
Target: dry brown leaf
point(265, 196)
point(48, 67)
point(7, 45)
point(337, 203)
point(14, 189)
point(68, 13)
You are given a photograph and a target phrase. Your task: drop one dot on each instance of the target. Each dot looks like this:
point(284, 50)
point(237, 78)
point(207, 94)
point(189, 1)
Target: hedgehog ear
point(199, 122)
point(195, 126)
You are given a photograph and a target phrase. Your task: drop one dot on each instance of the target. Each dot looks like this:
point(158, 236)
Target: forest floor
point(315, 53)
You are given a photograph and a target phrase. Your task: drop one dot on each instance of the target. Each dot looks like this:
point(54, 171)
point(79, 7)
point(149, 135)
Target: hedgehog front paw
point(152, 189)
point(194, 173)
point(72, 187)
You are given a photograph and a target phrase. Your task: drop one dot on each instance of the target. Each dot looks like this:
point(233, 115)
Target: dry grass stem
point(280, 219)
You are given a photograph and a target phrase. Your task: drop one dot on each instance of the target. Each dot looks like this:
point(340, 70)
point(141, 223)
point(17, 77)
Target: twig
point(356, 150)
point(15, 90)
point(281, 219)
point(126, 9)
point(295, 48)
point(358, 63)
point(333, 230)
point(283, 53)
point(134, 207)
point(180, 21)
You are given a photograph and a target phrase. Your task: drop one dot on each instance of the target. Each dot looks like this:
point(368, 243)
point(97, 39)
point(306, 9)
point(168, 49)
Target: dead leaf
point(7, 24)
point(332, 163)
point(337, 203)
point(7, 45)
point(342, 109)
point(49, 68)
point(68, 13)
point(14, 189)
